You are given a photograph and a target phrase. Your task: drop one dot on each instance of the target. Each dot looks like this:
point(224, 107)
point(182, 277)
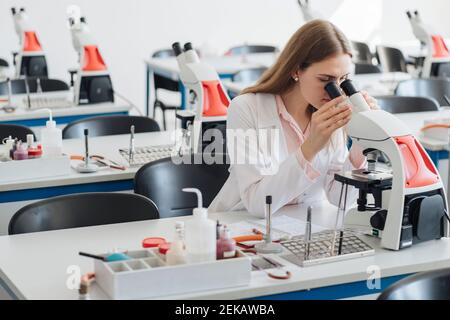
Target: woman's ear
point(296, 75)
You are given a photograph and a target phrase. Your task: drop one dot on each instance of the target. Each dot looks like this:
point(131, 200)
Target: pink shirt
point(295, 138)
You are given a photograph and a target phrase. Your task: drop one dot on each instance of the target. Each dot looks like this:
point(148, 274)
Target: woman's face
point(312, 80)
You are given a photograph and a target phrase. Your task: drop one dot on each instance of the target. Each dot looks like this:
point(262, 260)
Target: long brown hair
point(313, 42)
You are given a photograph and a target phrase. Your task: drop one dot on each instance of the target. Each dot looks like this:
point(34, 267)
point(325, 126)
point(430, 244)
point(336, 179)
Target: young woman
point(290, 97)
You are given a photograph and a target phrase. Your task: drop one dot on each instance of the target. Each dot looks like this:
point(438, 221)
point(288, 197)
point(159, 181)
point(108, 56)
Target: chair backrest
point(109, 125)
point(82, 210)
point(15, 131)
point(361, 52)
point(245, 49)
point(398, 104)
point(18, 86)
point(443, 70)
point(391, 59)
point(432, 285)
point(51, 85)
point(248, 75)
point(161, 82)
point(365, 68)
point(163, 181)
point(430, 88)
point(3, 63)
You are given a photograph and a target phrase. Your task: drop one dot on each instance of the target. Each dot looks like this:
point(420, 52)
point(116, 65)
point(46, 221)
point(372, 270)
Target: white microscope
point(92, 79)
point(208, 100)
point(410, 204)
point(436, 51)
point(30, 60)
point(308, 13)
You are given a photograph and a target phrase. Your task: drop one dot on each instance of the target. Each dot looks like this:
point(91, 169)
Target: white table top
point(107, 146)
point(222, 64)
point(34, 266)
point(375, 84)
point(24, 114)
point(415, 121)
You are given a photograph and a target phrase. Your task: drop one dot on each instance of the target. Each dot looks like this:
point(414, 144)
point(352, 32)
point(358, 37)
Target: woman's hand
point(371, 101)
point(324, 122)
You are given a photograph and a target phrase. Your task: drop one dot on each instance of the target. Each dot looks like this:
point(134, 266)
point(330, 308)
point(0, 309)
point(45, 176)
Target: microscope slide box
point(147, 276)
point(34, 168)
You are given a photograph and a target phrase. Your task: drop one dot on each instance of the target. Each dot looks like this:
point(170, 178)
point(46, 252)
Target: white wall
point(128, 31)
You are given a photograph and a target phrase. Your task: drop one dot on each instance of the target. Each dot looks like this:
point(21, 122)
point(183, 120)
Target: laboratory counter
point(42, 265)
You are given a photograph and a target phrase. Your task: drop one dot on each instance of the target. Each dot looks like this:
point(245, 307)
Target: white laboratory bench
point(16, 194)
point(38, 118)
point(415, 121)
point(37, 265)
point(379, 84)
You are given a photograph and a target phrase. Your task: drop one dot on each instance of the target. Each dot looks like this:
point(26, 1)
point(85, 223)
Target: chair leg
point(164, 118)
point(155, 105)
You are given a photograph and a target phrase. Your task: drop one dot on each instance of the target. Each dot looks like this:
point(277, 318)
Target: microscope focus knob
point(378, 220)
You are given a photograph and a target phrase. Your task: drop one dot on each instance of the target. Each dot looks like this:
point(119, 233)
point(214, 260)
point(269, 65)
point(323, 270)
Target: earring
point(296, 79)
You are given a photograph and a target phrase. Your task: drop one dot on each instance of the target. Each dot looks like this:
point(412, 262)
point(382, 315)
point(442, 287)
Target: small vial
point(226, 246)
point(21, 152)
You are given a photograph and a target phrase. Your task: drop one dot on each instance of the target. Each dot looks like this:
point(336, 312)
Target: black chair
point(163, 181)
point(391, 59)
point(432, 285)
point(246, 49)
point(398, 104)
point(18, 86)
point(365, 68)
point(82, 210)
point(438, 89)
point(361, 53)
point(109, 125)
point(51, 85)
point(4, 63)
point(443, 70)
point(164, 83)
point(248, 75)
point(15, 131)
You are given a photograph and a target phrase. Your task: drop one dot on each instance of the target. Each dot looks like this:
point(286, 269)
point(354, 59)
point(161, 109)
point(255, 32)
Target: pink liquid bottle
point(21, 152)
point(226, 246)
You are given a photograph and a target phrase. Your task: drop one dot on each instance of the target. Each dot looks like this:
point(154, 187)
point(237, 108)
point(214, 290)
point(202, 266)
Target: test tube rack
point(322, 249)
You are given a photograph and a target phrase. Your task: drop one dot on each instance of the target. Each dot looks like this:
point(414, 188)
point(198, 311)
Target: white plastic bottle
point(177, 254)
point(51, 137)
point(200, 234)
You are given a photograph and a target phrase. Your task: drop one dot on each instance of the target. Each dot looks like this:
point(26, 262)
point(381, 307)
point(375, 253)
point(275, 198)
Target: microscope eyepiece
point(348, 88)
point(188, 46)
point(177, 48)
point(13, 10)
point(83, 19)
point(333, 90)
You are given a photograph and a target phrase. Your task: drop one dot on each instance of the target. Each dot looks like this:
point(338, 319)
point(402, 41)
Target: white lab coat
point(249, 184)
